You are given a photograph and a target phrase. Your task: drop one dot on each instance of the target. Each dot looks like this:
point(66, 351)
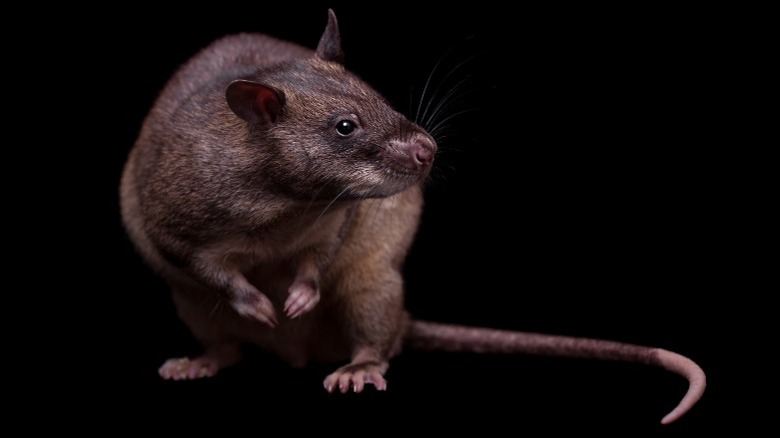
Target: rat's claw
point(377, 380)
point(330, 383)
point(344, 383)
point(358, 381)
point(356, 376)
point(256, 306)
point(303, 297)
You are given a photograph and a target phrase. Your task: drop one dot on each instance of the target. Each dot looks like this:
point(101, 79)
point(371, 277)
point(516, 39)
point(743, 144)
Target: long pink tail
point(447, 337)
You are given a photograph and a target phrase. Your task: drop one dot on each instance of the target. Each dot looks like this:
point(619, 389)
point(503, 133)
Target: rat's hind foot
point(184, 368)
point(217, 357)
point(357, 375)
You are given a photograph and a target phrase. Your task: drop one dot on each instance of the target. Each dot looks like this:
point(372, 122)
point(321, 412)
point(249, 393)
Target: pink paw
point(256, 306)
point(187, 369)
point(303, 297)
point(356, 376)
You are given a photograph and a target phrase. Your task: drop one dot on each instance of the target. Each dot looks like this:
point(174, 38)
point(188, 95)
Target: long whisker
point(313, 225)
point(448, 97)
point(312, 200)
point(376, 205)
point(453, 96)
point(328, 206)
point(217, 305)
point(441, 85)
point(431, 75)
point(441, 124)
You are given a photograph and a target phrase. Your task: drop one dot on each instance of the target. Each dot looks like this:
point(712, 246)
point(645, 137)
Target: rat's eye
point(345, 127)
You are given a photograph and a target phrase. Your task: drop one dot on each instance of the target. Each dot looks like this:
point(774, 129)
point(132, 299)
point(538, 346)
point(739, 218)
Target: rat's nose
point(423, 149)
point(415, 153)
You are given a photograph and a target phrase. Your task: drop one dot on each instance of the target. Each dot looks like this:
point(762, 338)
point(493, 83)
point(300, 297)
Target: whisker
point(448, 96)
point(217, 304)
point(328, 206)
point(441, 124)
point(310, 228)
point(453, 96)
point(376, 207)
point(311, 201)
point(441, 85)
point(431, 75)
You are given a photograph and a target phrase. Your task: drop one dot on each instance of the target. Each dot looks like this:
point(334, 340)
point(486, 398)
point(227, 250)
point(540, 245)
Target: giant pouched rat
point(278, 195)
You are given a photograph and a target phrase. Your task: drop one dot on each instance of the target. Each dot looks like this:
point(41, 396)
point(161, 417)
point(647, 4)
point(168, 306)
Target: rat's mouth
point(395, 179)
point(395, 171)
point(382, 182)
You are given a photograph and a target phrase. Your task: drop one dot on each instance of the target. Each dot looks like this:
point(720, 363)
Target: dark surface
point(573, 195)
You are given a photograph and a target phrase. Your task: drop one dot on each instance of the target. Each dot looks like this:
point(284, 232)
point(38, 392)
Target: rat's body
point(278, 195)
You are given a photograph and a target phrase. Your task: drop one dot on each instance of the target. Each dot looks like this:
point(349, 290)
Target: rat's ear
point(329, 47)
point(254, 102)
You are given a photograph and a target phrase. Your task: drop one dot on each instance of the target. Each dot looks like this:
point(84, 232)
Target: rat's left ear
point(254, 102)
point(329, 47)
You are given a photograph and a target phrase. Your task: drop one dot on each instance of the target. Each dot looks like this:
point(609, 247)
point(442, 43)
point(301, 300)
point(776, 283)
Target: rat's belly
point(311, 338)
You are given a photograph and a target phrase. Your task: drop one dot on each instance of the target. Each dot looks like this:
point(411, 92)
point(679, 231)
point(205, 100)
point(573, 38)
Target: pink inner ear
point(266, 104)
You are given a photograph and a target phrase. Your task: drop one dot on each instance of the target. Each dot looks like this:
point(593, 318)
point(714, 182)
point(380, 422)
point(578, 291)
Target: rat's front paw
point(256, 306)
point(303, 297)
point(356, 375)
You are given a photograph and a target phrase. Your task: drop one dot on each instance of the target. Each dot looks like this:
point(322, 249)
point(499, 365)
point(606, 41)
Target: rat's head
point(330, 133)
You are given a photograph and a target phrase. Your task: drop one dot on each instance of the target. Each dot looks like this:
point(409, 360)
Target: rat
point(278, 195)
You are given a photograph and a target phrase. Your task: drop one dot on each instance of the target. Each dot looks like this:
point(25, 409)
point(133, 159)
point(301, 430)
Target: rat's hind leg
point(207, 326)
point(373, 322)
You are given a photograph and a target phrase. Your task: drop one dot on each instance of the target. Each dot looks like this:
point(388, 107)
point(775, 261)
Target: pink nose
point(416, 153)
point(423, 150)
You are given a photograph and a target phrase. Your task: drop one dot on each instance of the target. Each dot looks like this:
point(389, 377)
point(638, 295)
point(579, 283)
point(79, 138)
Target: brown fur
point(243, 196)
point(275, 228)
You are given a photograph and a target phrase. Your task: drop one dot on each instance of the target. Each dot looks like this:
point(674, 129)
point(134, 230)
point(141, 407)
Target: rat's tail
point(446, 337)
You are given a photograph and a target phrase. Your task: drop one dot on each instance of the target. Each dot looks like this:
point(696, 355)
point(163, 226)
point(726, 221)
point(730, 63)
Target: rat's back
point(222, 61)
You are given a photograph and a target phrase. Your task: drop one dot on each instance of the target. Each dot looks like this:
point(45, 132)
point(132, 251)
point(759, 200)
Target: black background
point(576, 192)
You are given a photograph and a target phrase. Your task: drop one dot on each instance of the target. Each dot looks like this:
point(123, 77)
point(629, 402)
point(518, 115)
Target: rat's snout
point(414, 154)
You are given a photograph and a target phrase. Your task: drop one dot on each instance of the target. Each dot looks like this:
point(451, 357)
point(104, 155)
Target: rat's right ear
point(329, 47)
point(254, 102)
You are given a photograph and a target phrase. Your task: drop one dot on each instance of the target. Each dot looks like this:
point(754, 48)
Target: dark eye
point(345, 127)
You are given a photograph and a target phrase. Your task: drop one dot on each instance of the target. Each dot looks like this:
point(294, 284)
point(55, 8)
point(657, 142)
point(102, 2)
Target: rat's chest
point(283, 243)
